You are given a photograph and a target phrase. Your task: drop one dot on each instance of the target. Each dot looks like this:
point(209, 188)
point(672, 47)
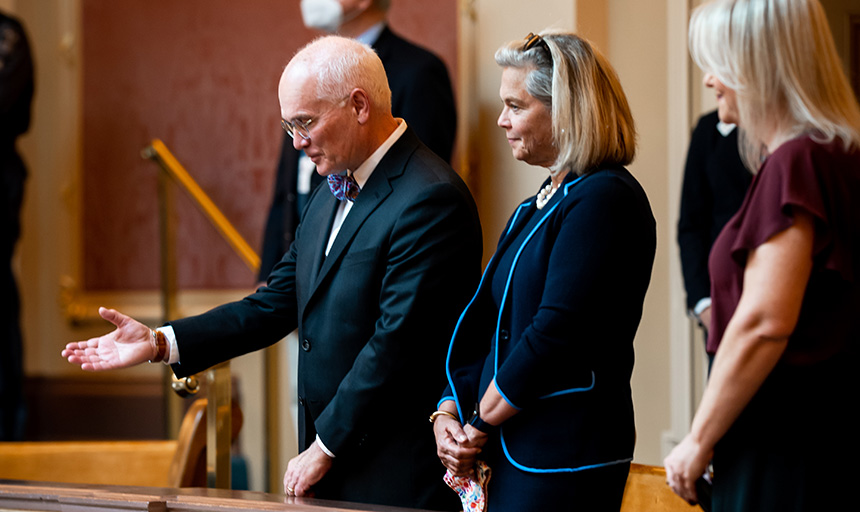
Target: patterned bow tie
point(343, 186)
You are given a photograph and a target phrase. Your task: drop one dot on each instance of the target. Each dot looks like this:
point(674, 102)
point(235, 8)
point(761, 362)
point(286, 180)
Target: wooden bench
point(179, 463)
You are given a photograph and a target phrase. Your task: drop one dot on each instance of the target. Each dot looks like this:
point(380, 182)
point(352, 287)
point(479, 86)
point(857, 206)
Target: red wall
point(202, 76)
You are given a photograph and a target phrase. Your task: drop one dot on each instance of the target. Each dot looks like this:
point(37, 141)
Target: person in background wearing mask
point(420, 93)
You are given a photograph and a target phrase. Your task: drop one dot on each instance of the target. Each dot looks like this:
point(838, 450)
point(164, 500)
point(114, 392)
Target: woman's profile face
point(727, 100)
point(527, 121)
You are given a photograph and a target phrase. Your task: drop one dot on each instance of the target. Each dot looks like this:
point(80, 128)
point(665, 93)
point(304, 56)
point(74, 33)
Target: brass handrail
point(159, 153)
point(218, 428)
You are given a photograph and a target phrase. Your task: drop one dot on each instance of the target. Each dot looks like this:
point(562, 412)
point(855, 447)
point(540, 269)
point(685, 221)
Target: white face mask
point(326, 15)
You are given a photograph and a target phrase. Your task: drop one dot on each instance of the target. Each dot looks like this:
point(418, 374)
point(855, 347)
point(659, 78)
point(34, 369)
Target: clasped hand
point(685, 464)
point(128, 345)
point(458, 446)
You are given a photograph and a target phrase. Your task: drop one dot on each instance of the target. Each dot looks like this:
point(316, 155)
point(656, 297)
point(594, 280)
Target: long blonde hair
point(780, 59)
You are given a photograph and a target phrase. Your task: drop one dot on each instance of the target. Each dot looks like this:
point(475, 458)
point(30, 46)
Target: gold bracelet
point(160, 342)
point(436, 414)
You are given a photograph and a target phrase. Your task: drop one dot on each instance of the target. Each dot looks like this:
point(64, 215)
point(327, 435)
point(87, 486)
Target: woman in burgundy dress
point(776, 417)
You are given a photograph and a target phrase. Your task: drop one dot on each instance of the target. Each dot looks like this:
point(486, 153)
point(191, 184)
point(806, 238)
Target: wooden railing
point(646, 491)
point(46, 497)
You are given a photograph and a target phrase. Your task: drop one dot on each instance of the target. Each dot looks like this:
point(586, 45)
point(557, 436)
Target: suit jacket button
point(504, 335)
point(301, 402)
point(306, 345)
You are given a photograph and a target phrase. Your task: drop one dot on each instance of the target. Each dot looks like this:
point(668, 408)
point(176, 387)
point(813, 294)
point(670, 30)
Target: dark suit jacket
point(420, 93)
point(560, 345)
point(715, 183)
point(374, 317)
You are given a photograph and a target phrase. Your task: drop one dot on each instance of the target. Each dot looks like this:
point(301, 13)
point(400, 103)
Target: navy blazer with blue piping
point(562, 342)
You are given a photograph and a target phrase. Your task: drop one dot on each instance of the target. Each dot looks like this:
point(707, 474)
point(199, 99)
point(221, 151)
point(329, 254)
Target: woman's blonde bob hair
point(780, 59)
point(591, 121)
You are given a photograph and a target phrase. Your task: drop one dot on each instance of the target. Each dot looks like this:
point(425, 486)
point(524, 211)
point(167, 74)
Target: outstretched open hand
point(128, 345)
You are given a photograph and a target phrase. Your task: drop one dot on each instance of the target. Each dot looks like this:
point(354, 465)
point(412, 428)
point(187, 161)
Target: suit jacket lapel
point(521, 218)
point(322, 234)
point(313, 235)
point(524, 213)
point(374, 192)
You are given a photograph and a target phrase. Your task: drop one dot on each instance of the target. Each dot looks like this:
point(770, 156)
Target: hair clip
point(533, 40)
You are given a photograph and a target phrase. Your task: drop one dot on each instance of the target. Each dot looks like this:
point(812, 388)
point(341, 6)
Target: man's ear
point(359, 103)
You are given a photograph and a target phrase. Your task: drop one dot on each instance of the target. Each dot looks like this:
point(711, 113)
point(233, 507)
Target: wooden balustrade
point(646, 491)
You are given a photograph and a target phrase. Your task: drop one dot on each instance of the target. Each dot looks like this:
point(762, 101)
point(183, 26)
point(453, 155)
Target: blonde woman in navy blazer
point(539, 364)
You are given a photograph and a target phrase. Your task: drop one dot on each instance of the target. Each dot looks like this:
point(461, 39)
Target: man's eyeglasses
point(300, 128)
point(533, 40)
point(303, 128)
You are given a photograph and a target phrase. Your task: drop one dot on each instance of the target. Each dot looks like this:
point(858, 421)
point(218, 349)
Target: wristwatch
point(480, 424)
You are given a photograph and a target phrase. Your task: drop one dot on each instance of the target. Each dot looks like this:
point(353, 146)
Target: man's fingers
point(289, 483)
point(111, 315)
point(76, 348)
point(301, 489)
point(80, 352)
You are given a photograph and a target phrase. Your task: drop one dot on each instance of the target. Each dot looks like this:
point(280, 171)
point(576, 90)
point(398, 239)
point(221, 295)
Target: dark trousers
point(795, 446)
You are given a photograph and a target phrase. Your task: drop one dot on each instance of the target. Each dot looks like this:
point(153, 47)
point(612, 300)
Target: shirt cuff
point(173, 352)
point(703, 304)
point(323, 448)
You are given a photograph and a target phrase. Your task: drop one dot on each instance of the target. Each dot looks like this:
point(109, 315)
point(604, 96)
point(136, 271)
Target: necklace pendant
point(544, 195)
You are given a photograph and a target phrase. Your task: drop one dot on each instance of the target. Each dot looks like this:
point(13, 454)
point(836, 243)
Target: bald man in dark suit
point(374, 281)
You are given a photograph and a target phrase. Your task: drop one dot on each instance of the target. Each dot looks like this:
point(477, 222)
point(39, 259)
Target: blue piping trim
point(571, 390)
point(451, 344)
point(517, 214)
point(557, 470)
point(444, 399)
point(572, 183)
point(511, 274)
point(505, 396)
